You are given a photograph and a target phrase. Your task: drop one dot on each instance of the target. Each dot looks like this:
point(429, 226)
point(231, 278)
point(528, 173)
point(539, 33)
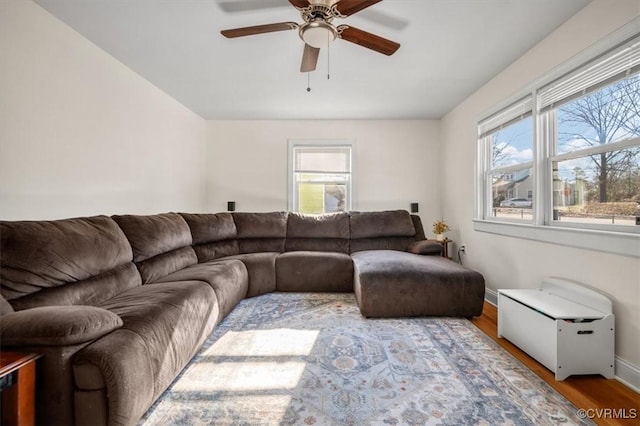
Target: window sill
point(605, 241)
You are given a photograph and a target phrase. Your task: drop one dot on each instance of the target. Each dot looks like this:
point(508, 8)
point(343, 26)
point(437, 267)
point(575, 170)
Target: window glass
point(609, 115)
point(597, 175)
point(513, 144)
point(511, 194)
point(321, 193)
point(585, 192)
point(321, 177)
point(510, 175)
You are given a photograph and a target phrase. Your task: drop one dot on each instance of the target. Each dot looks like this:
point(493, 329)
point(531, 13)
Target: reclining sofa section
point(119, 305)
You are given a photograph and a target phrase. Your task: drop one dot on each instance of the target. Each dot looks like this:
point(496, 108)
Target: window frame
point(292, 184)
point(616, 239)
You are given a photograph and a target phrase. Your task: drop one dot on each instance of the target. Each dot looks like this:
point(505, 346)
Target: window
point(507, 139)
point(595, 148)
point(567, 155)
point(320, 176)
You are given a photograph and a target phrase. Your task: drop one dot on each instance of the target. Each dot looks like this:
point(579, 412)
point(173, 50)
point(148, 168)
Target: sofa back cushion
point(325, 232)
point(258, 232)
point(80, 261)
point(417, 224)
point(383, 230)
point(214, 235)
point(161, 243)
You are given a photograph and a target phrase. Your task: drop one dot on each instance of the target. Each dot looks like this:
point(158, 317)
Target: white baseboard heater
point(565, 326)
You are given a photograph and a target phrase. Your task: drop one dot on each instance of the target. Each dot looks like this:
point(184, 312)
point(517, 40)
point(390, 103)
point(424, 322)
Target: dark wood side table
point(445, 247)
point(18, 386)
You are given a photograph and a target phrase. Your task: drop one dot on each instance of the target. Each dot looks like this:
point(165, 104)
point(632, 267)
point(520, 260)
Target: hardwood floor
point(605, 400)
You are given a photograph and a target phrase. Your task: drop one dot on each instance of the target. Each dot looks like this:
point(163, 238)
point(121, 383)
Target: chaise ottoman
point(391, 284)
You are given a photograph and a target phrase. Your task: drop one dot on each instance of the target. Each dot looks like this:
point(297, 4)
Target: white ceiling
point(449, 49)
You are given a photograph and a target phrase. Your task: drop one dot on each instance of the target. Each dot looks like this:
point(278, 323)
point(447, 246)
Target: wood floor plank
point(607, 400)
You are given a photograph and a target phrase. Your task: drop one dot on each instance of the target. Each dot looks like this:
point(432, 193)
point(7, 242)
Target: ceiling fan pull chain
point(328, 56)
point(308, 81)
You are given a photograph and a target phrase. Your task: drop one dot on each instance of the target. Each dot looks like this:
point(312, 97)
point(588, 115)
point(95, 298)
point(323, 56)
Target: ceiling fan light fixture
point(318, 33)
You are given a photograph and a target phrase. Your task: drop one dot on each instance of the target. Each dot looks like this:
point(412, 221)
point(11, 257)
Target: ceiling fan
point(318, 31)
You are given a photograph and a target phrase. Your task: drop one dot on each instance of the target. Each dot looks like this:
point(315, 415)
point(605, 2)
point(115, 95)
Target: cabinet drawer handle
point(585, 331)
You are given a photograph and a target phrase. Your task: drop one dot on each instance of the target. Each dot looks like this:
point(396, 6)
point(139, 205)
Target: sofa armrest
point(425, 247)
point(56, 326)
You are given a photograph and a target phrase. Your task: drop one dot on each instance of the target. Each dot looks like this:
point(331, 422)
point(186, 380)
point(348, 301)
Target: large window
point(568, 154)
point(320, 175)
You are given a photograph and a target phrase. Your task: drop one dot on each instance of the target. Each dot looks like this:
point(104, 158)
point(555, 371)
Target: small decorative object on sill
point(439, 228)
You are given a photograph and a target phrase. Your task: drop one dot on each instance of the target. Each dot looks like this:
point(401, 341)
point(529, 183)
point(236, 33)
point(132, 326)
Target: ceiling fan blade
point(300, 4)
point(349, 7)
point(309, 58)
point(259, 29)
point(368, 40)
point(233, 6)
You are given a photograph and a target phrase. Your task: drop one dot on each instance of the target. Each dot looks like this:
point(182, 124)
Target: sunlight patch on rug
point(284, 359)
point(278, 342)
point(241, 376)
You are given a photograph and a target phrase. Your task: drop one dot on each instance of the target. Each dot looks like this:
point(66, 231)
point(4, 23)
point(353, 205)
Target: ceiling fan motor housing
point(318, 33)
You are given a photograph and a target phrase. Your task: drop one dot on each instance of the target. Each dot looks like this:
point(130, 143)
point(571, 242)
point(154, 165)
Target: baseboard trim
point(626, 373)
point(491, 296)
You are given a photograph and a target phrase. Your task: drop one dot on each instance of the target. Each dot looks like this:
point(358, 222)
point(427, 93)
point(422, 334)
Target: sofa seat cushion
point(164, 325)
point(261, 268)
point(313, 271)
point(397, 284)
point(228, 278)
point(57, 326)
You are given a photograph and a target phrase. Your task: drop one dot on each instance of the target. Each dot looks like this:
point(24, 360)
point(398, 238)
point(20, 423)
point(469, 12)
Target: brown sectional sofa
point(119, 305)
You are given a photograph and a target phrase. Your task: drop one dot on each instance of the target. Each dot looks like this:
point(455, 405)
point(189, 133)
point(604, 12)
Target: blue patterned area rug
point(305, 359)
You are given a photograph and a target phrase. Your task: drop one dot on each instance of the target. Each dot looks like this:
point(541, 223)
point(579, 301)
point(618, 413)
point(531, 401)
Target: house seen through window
point(508, 138)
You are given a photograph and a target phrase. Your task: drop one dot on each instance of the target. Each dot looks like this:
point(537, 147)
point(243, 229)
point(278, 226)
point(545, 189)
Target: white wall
point(82, 134)
point(508, 262)
point(396, 163)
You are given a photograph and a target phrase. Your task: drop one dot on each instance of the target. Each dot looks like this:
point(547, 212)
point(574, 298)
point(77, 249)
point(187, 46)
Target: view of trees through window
point(597, 168)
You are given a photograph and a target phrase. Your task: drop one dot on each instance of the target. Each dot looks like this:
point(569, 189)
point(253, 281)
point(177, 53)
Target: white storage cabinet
point(565, 326)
